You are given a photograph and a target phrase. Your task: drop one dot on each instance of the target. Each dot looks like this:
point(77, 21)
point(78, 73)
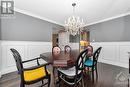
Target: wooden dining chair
point(90, 50)
point(92, 63)
point(72, 76)
point(33, 74)
point(56, 50)
point(67, 48)
point(89, 55)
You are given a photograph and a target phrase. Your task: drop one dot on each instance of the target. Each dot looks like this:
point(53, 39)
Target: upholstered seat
point(72, 76)
point(35, 74)
point(69, 72)
point(89, 62)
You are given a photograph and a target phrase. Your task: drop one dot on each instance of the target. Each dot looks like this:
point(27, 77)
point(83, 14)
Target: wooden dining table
point(62, 59)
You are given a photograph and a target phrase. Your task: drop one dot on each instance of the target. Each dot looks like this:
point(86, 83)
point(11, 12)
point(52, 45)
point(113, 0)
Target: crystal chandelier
point(73, 24)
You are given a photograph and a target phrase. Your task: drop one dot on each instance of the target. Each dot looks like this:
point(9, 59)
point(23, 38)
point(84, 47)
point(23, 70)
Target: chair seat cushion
point(89, 62)
point(35, 74)
point(69, 72)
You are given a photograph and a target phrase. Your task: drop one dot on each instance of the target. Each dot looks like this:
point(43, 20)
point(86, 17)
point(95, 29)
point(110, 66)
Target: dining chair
point(90, 50)
point(92, 63)
point(72, 76)
point(33, 74)
point(56, 50)
point(67, 48)
point(89, 55)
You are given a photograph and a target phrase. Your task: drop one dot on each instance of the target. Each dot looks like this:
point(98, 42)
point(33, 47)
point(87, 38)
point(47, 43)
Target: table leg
point(55, 74)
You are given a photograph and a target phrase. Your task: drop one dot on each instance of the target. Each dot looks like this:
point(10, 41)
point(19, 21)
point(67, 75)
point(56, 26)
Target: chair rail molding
point(114, 53)
point(27, 50)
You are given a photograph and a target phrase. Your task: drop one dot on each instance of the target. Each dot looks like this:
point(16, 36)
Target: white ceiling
point(56, 11)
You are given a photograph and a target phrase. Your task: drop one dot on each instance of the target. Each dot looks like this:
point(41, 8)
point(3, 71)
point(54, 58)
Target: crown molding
point(37, 16)
point(51, 21)
point(108, 19)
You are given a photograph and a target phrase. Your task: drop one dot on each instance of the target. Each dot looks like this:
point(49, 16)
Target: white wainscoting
point(115, 53)
point(0, 74)
point(27, 50)
point(0, 59)
point(74, 46)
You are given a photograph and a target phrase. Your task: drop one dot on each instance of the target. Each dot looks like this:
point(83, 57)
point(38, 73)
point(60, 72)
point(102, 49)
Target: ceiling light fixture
point(73, 24)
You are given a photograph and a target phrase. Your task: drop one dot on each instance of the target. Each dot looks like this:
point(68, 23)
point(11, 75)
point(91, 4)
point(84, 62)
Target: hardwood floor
point(107, 78)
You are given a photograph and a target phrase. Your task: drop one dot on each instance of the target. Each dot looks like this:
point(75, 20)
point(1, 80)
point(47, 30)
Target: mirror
point(74, 39)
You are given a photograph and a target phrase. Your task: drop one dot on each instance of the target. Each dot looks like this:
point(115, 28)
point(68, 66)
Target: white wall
point(115, 53)
point(74, 46)
point(27, 49)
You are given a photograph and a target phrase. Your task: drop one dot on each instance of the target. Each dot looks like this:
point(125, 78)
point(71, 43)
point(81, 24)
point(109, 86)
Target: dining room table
point(61, 59)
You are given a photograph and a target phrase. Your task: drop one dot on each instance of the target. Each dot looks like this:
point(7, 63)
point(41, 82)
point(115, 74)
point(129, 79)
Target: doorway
point(55, 40)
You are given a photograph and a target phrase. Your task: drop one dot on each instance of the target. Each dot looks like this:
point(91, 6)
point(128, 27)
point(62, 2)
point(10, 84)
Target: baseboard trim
point(8, 70)
point(124, 65)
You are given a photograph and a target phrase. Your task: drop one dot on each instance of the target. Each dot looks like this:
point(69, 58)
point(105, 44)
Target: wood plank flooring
point(107, 78)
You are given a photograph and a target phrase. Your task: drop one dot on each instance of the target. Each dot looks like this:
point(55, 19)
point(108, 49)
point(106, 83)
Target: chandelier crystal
point(73, 24)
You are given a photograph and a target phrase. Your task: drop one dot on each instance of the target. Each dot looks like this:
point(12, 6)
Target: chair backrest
point(96, 55)
point(80, 61)
point(18, 60)
point(67, 48)
point(56, 50)
point(90, 50)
